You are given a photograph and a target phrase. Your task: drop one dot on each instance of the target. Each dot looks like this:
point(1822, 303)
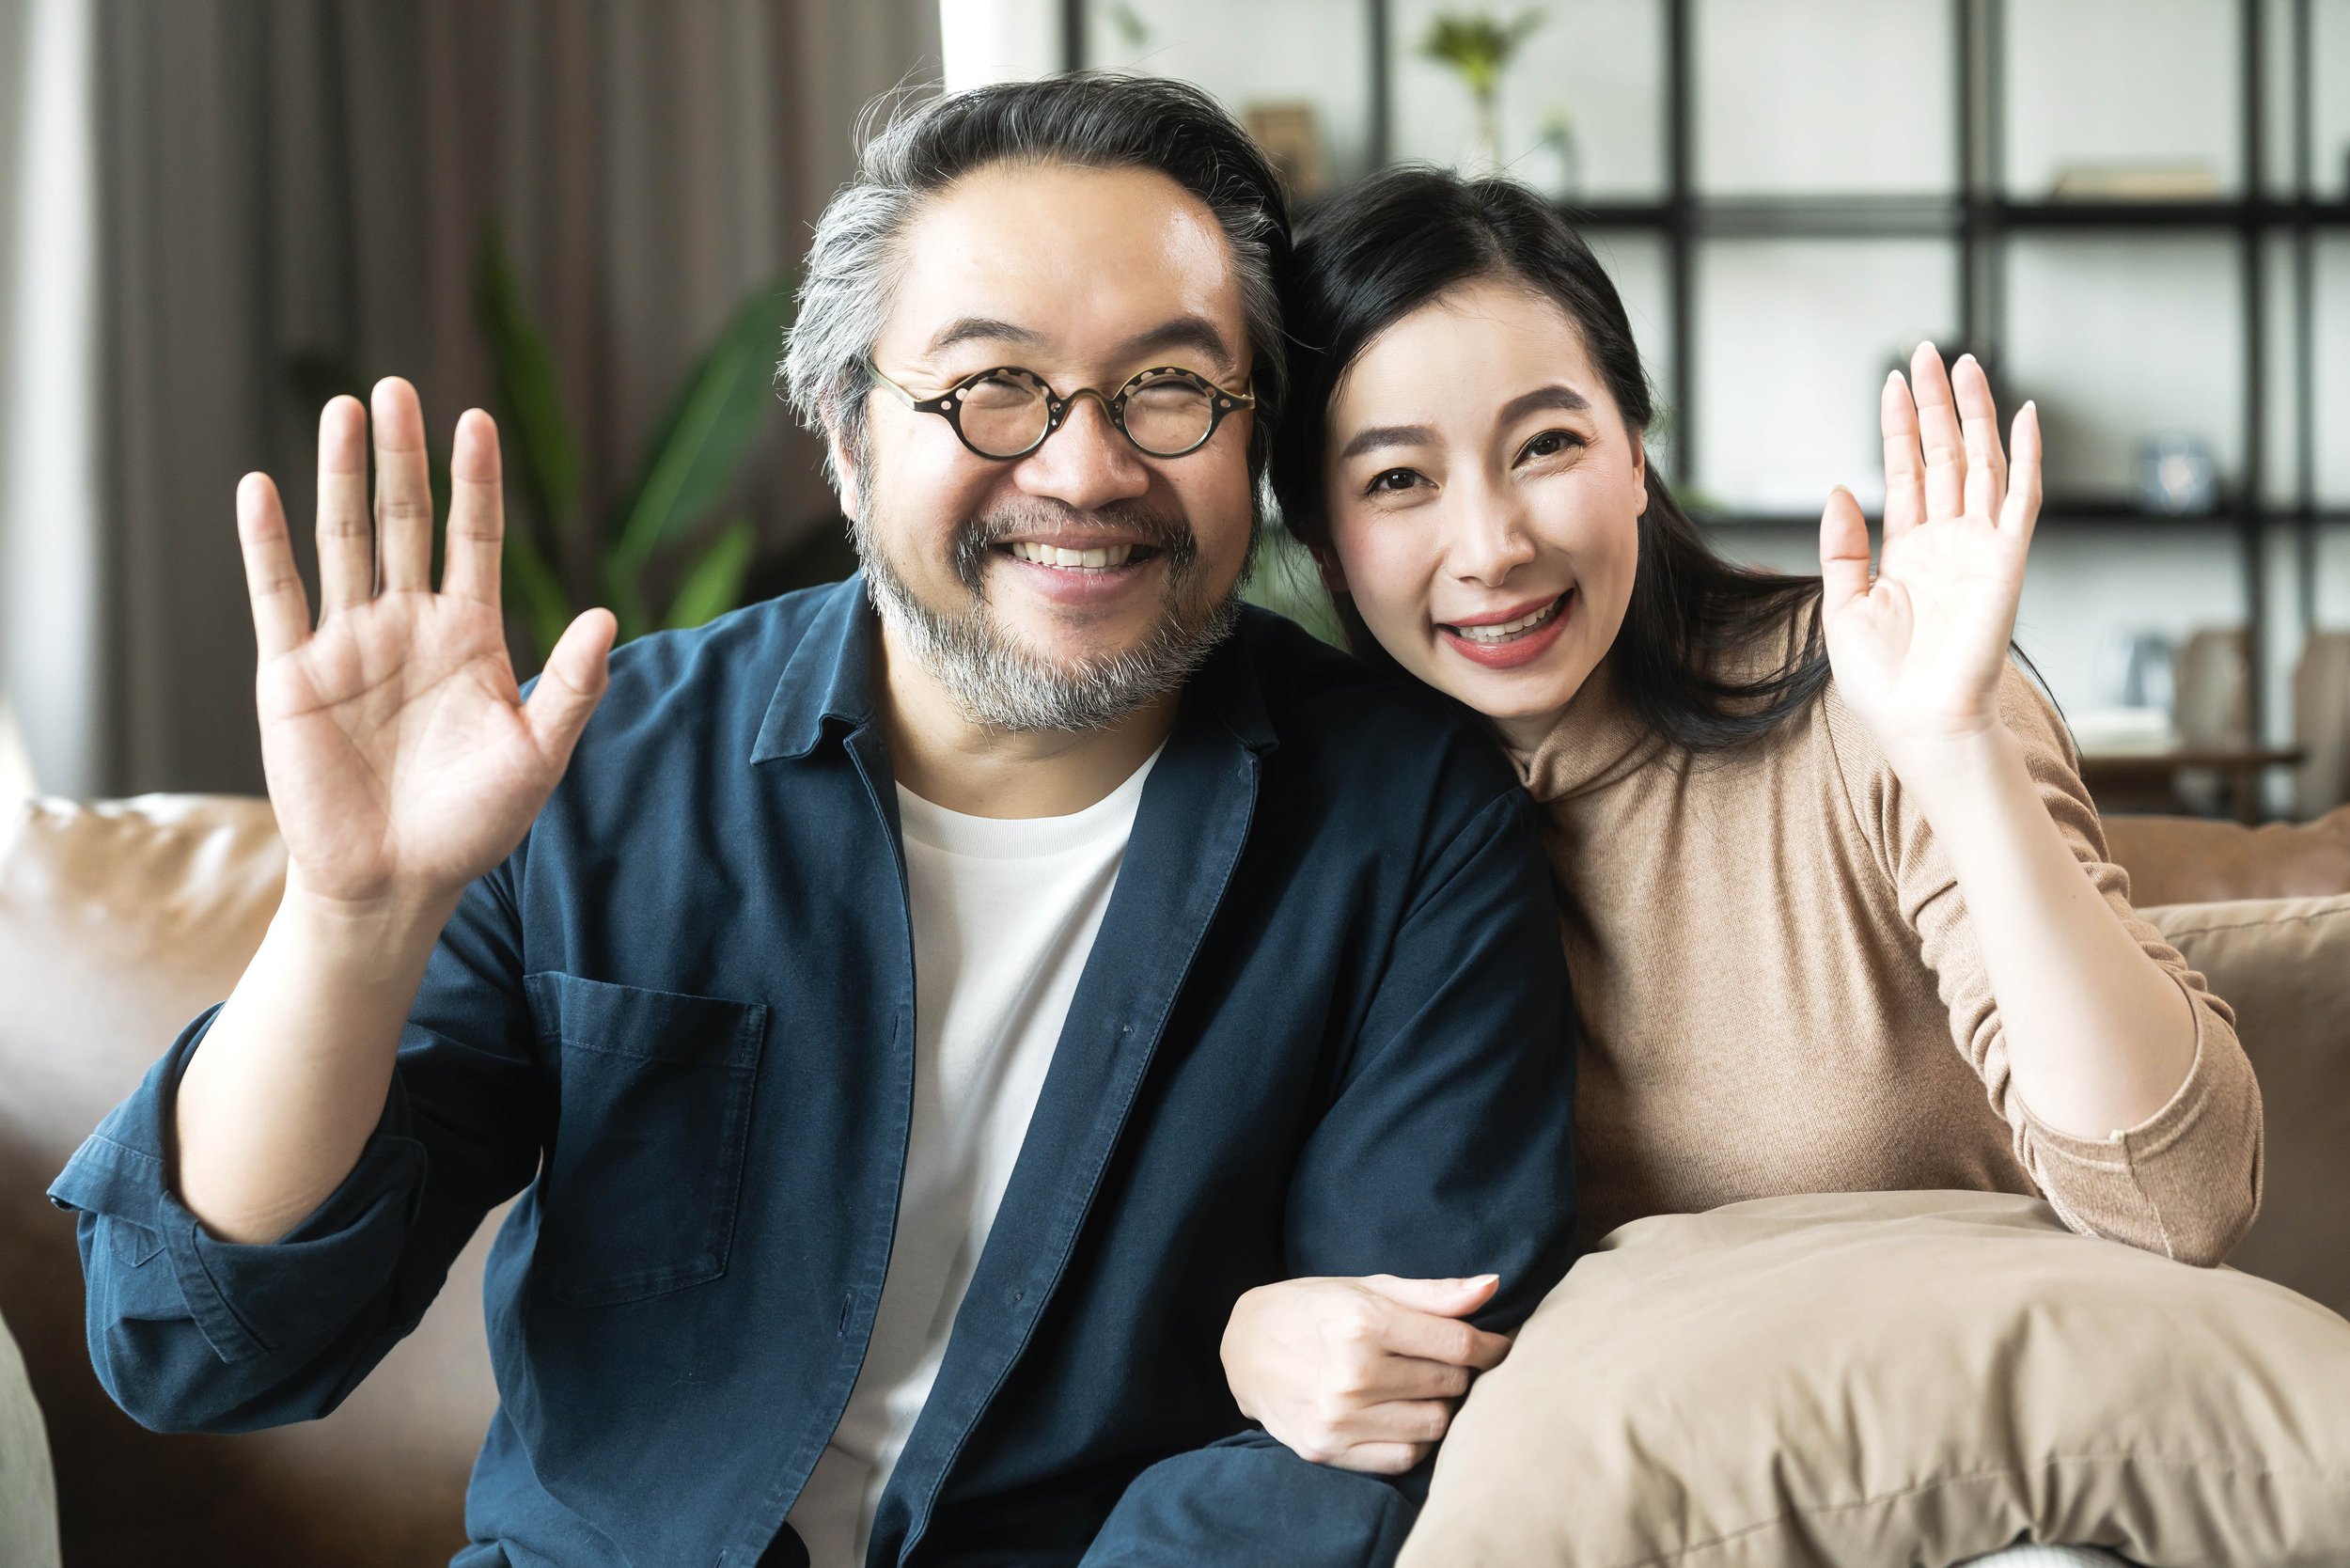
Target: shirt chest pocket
point(644, 1169)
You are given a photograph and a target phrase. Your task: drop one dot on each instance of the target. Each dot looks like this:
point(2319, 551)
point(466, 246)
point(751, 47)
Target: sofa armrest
point(28, 1489)
point(2174, 860)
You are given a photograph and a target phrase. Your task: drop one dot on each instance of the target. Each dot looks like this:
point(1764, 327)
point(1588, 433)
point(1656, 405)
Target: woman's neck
point(1523, 734)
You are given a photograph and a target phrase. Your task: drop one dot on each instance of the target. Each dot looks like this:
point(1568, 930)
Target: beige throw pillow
point(1890, 1379)
point(2283, 964)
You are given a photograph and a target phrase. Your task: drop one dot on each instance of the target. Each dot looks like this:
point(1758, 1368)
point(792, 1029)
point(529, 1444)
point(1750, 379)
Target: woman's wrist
point(1961, 780)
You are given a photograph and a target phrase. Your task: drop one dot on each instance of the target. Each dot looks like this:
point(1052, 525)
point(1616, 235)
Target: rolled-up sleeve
point(188, 1332)
point(2186, 1182)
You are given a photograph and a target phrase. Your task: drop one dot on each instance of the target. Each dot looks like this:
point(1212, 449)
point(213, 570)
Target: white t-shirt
point(1005, 912)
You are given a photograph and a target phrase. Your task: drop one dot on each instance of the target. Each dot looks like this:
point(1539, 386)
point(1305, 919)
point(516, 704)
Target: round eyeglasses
point(1009, 412)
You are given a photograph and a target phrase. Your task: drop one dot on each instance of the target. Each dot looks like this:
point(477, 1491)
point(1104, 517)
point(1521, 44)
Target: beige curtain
point(282, 177)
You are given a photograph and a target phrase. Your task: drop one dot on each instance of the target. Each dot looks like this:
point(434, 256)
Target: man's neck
point(951, 762)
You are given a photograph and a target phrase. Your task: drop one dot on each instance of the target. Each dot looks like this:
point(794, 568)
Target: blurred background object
point(212, 212)
point(198, 195)
point(16, 768)
point(2133, 212)
point(1478, 47)
point(2321, 721)
point(2176, 477)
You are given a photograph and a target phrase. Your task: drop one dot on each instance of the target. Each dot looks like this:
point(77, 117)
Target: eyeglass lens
point(1004, 413)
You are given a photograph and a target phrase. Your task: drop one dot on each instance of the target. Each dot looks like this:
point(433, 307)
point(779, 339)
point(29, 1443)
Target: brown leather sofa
point(119, 921)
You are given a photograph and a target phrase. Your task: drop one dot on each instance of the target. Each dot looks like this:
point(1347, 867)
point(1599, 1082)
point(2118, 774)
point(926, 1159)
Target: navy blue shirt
point(1325, 1030)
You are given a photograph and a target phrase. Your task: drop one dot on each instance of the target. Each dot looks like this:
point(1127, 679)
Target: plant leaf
point(693, 461)
point(714, 584)
point(534, 594)
point(525, 370)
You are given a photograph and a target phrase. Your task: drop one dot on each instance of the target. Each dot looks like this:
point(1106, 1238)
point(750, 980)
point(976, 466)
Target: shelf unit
point(1977, 217)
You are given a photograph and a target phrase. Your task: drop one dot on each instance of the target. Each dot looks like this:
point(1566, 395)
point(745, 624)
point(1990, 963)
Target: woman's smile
point(1510, 638)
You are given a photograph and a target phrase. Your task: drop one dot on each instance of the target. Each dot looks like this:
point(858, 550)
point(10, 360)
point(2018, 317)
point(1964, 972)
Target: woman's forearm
point(2099, 1036)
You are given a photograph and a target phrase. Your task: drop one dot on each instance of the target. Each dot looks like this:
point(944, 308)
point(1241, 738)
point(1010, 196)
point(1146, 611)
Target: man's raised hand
point(401, 760)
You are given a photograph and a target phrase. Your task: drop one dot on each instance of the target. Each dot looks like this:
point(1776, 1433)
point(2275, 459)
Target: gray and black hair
point(1092, 119)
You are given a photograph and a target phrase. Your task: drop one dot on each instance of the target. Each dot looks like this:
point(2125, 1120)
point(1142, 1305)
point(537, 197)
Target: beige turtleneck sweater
point(1780, 991)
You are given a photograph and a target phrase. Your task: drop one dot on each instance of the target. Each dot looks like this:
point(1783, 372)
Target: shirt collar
point(830, 677)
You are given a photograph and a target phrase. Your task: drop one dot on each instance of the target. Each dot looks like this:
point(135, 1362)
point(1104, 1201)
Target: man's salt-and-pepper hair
point(1090, 120)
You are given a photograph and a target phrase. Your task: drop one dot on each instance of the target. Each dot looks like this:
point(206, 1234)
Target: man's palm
point(402, 758)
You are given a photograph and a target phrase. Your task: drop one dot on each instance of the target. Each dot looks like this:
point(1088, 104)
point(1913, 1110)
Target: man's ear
point(843, 470)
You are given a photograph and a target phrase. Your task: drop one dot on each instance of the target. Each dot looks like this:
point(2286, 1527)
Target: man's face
point(1085, 277)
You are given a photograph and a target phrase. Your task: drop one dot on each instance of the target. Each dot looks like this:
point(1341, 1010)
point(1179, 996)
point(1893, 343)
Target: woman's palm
point(401, 760)
point(1919, 648)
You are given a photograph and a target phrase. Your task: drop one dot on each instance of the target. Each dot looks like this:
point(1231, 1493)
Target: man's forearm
point(282, 1095)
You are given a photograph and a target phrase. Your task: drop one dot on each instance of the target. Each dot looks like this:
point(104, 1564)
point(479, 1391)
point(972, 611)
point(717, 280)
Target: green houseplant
point(1477, 46)
point(663, 531)
point(662, 528)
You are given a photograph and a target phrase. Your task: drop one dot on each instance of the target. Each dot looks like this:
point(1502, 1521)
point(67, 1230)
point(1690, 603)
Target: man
point(919, 1008)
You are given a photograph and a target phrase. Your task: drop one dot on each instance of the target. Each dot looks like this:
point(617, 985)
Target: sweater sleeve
point(2185, 1182)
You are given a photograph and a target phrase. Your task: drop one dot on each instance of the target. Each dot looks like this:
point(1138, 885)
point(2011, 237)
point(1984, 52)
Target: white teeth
point(1509, 628)
point(1051, 554)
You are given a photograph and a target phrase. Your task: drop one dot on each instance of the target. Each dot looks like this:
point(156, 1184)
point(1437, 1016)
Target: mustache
point(1170, 533)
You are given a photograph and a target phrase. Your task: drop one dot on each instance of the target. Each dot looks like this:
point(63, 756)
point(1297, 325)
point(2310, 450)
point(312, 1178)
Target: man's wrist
point(371, 941)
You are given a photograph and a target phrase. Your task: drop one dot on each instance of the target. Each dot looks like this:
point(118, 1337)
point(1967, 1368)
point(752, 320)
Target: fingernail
point(1927, 347)
point(1483, 1279)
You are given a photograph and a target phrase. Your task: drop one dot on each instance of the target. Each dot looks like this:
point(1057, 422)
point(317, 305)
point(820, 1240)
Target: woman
point(1809, 834)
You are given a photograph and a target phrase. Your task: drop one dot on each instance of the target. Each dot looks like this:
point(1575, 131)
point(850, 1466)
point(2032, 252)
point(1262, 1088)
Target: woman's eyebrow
point(1557, 397)
point(1387, 435)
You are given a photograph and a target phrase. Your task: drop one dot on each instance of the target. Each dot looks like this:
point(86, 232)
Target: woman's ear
point(1327, 566)
point(1639, 475)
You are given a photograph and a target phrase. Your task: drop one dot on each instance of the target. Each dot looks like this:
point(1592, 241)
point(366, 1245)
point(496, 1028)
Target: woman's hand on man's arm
point(1361, 1374)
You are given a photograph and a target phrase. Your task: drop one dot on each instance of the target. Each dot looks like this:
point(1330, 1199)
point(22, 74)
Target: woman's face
point(1484, 500)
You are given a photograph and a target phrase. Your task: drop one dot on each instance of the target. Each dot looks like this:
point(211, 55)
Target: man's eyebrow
point(984, 329)
point(1387, 435)
point(1196, 333)
point(1563, 398)
point(1181, 332)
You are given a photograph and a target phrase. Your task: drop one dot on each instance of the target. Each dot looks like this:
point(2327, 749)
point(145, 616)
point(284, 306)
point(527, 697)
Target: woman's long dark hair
point(1392, 243)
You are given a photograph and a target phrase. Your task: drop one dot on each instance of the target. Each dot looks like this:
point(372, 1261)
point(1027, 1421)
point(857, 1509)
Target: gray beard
point(997, 683)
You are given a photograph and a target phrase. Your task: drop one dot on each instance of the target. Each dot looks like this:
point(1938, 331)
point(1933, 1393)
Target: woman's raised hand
point(1918, 651)
point(401, 760)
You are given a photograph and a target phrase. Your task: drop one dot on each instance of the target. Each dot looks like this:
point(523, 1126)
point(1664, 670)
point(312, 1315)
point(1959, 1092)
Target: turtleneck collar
point(1594, 742)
